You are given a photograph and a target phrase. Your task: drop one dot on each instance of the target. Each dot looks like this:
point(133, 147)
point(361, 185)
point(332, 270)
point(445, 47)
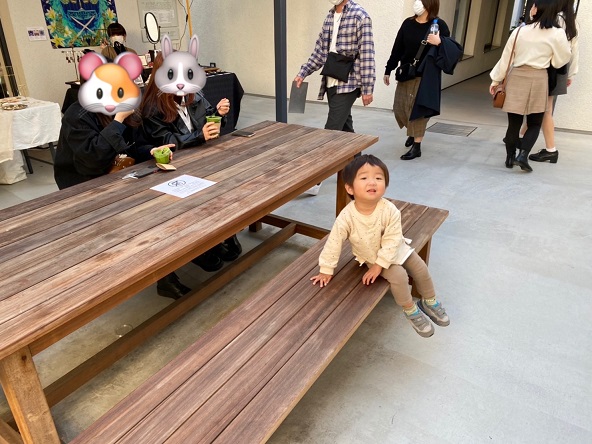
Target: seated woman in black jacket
point(171, 119)
point(87, 147)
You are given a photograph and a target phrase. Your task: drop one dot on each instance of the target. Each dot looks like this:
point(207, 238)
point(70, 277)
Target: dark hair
point(433, 8)
point(546, 15)
point(116, 29)
point(154, 101)
point(352, 168)
point(566, 9)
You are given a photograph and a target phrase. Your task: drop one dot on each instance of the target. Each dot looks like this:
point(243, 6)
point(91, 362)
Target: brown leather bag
point(120, 162)
point(499, 95)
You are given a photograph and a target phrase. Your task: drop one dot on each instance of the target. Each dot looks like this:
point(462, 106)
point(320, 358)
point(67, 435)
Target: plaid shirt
point(354, 39)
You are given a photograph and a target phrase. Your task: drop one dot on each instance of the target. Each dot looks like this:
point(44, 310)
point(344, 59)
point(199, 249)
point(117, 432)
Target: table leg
point(27, 161)
point(51, 151)
point(342, 197)
point(25, 396)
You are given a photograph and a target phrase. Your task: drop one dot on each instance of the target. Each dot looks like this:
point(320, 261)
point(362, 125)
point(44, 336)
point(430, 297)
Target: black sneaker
point(544, 155)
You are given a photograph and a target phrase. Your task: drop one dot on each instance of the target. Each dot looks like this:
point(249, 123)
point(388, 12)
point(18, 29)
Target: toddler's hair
point(351, 169)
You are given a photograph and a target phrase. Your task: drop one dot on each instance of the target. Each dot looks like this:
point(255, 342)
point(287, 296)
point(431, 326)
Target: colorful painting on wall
point(75, 23)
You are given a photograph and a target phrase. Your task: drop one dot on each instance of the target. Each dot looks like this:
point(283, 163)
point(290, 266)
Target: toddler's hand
point(322, 279)
point(371, 275)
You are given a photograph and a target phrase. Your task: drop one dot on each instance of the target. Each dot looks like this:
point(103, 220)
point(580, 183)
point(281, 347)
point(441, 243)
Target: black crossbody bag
point(408, 71)
point(338, 66)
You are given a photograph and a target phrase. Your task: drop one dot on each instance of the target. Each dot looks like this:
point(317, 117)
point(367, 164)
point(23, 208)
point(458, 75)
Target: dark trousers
point(534, 122)
point(340, 105)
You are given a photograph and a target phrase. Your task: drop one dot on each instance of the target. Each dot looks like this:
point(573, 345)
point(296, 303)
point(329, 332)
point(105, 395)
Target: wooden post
point(27, 401)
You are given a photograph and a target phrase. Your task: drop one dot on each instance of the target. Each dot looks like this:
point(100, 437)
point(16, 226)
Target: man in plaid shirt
point(354, 39)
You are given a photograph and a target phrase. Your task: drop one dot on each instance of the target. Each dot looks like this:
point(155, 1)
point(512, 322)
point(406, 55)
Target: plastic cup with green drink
point(217, 120)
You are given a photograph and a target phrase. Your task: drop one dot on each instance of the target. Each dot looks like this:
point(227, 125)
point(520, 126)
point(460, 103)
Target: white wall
point(239, 38)
point(573, 110)
point(244, 42)
point(41, 70)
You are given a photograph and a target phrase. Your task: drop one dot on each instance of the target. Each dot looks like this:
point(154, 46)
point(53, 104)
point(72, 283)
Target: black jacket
point(439, 58)
point(86, 150)
point(159, 132)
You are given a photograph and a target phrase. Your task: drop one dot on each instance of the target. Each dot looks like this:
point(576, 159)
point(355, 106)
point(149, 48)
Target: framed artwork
point(76, 23)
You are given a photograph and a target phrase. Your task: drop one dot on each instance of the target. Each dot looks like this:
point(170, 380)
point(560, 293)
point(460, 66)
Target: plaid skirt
point(403, 105)
point(527, 90)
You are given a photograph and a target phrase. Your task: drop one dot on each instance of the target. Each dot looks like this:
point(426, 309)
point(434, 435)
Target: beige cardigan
point(536, 48)
point(375, 239)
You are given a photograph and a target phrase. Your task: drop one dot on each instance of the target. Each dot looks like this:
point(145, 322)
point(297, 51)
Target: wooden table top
point(71, 255)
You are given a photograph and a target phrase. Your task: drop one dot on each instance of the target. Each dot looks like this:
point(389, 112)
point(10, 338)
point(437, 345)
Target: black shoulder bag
point(408, 71)
point(338, 66)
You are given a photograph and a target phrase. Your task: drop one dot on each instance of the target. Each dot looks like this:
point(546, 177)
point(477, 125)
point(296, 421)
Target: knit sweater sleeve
point(332, 250)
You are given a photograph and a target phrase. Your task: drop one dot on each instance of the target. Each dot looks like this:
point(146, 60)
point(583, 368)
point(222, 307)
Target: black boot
point(171, 287)
point(232, 244)
point(414, 152)
point(209, 261)
point(522, 160)
point(409, 141)
point(510, 157)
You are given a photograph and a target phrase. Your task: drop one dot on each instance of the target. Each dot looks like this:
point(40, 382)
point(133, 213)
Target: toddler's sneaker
point(420, 323)
point(435, 311)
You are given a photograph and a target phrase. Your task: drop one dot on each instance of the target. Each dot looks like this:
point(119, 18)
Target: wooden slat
point(235, 395)
point(160, 387)
point(266, 355)
point(257, 422)
point(74, 379)
point(96, 267)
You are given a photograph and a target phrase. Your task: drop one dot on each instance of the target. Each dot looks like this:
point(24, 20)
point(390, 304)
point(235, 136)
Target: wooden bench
point(242, 378)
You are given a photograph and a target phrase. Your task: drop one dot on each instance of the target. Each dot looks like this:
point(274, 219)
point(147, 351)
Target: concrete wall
point(238, 37)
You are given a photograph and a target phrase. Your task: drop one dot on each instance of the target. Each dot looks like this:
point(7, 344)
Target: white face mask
point(418, 7)
point(117, 38)
point(335, 2)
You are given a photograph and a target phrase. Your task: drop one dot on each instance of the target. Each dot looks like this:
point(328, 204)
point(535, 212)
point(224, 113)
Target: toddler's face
point(369, 184)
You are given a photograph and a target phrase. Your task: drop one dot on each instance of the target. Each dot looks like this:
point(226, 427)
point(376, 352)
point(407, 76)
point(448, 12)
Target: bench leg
point(257, 226)
point(8, 435)
point(424, 253)
point(27, 401)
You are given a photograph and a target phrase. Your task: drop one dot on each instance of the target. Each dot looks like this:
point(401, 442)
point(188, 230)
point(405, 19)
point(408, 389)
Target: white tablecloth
point(33, 126)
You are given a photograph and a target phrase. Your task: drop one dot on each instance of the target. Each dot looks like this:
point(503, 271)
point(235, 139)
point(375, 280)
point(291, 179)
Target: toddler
point(373, 226)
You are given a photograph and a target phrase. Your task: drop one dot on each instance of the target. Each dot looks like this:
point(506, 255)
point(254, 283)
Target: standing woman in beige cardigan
point(539, 45)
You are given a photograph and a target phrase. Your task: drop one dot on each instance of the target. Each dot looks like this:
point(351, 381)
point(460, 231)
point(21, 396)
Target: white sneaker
point(313, 191)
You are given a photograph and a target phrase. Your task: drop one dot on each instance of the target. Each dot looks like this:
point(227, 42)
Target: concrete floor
point(512, 265)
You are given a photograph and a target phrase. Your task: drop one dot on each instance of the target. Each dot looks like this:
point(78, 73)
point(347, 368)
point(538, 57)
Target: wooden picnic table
point(73, 255)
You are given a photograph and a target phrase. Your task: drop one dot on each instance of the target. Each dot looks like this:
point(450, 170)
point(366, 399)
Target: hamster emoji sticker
point(180, 74)
point(109, 87)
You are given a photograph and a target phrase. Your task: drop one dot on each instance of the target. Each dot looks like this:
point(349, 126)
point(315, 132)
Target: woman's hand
point(298, 81)
point(223, 107)
point(168, 145)
point(387, 80)
point(371, 275)
point(121, 116)
point(492, 88)
point(211, 130)
point(322, 279)
point(434, 39)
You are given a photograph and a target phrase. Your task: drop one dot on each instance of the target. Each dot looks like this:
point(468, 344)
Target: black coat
point(86, 150)
point(439, 58)
point(160, 132)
